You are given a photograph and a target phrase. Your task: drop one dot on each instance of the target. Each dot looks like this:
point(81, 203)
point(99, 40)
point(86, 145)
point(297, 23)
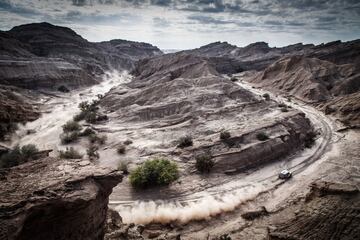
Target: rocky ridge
point(55, 199)
point(16, 106)
point(324, 74)
point(51, 56)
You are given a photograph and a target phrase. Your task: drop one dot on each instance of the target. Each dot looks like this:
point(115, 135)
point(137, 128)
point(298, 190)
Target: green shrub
point(18, 156)
point(121, 149)
point(128, 142)
point(6, 128)
point(63, 89)
point(71, 126)
point(89, 107)
point(79, 117)
point(93, 138)
point(284, 109)
point(91, 117)
point(185, 141)
point(262, 136)
point(92, 151)
point(266, 96)
point(69, 137)
point(310, 139)
point(204, 163)
point(29, 151)
point(225, 135)
point(70, 153)
point(87, 132)
point(154, 172)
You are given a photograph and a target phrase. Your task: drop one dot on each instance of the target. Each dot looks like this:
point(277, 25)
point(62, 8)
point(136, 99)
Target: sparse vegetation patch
point(262, 136)
point(71, 126)
point(71, 137)
point(93, 138)
point(185, 141)
point(266, 96)
point(225, 135)
point(204, 163)
point(310, 139)
point(70, 153)
point(92, 151)
point(19, 155)
point(121, 149)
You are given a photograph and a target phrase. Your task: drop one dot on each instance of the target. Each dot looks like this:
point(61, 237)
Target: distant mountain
point(41, 55)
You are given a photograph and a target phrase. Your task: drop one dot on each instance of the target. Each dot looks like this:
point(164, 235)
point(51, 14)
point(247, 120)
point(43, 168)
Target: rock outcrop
point(15, 107)
point(334, 214)
point(55, 199)
point(346, 108)
point(309, 79)
point(258, 56)
point(185, 93)
point(41, 55)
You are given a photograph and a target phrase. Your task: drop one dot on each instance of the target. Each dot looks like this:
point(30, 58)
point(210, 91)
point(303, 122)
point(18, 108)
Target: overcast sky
point(184, 24)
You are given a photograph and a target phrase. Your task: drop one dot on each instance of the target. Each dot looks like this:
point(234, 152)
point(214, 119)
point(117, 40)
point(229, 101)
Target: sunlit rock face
point(55, 199)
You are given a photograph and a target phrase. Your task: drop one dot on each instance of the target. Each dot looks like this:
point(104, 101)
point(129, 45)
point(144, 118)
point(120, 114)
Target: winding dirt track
point(240, 187)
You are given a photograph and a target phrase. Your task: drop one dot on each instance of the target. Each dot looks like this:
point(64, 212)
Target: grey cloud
point(8, 6)
point(161, 22)
point(209, 20)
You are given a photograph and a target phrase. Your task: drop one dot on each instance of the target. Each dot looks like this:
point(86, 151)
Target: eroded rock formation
point(55, 199)
point(41, 55)
point(15, 107)
point(332, 212)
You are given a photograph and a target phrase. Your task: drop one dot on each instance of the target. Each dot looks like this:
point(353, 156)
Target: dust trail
point(208, 206)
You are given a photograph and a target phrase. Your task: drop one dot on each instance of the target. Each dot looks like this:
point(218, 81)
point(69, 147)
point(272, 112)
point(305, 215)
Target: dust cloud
point(206, 207)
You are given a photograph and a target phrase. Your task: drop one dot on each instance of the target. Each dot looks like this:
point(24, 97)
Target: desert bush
point(29, 151)
point(6, 128)
point(204, 163)
point(89, 107)
point(93, 138)
point(282, 105)
point(71, 126)
point(225, 135)
point(284, 109)
point(310, 139)
point(100, 118)
point(266, 96)
point(18, 156)
point(91, 117)
point(87, 132)
point(67, 138)
point(79, 117)
point(69, 153)
point(121, 149)
point(63, 89)
point(128, 142)
point(262, 136)
point(185, 141)
point(155, 172)
point(225, 237)
point(233, 79)
point(92, 151)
